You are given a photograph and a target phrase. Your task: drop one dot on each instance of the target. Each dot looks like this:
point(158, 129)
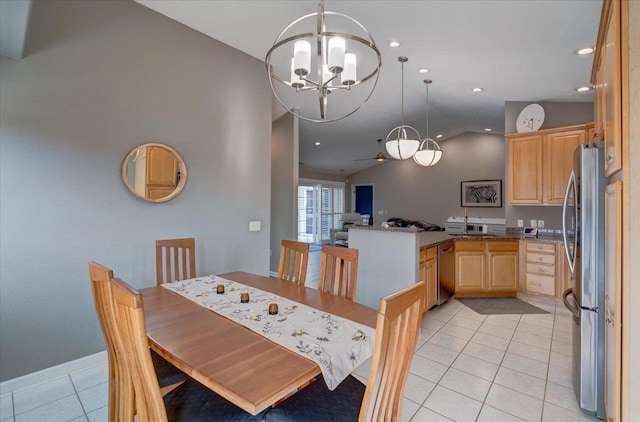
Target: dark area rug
point(500, 305)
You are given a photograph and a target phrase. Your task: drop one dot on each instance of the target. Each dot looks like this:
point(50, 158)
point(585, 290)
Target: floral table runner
point(336, 344)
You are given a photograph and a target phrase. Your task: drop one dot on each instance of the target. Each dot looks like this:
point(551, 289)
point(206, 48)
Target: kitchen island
point(393, 258)
point(389, 258)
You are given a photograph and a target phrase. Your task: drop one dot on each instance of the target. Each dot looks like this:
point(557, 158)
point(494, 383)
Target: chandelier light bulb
point(336, 54)
point(349, 72)
point(302, 57)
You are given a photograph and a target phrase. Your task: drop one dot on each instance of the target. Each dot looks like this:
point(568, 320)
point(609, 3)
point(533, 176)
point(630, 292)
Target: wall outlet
point(255, 226)
point(541, 224)
point(534, 223)
point(520, 223)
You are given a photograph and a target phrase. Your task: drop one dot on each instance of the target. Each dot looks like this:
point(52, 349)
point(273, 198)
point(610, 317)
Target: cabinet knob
point(540, 259)
point(540, 269)
point(609, 158)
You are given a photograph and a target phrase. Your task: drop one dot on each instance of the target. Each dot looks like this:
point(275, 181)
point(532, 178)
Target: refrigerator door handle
point(575, 311)
point(565, 204)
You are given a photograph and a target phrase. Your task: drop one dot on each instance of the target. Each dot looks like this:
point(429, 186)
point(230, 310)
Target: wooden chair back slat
point(121, 398)
point(294, 257)
point(134, 346)
point(397, 330)
point(338, 271)
point(175, 260)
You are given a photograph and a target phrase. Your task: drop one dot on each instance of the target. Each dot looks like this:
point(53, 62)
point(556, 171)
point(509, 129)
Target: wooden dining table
point(237, 363)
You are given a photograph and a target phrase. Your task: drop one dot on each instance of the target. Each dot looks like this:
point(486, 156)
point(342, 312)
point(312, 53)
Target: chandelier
point(403, 141)
point(429, 153)
point(304, 68)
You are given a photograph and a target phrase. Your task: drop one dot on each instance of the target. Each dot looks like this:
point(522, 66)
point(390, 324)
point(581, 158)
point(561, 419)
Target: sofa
point(340, 236)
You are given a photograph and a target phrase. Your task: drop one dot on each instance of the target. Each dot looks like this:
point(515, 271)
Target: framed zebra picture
point(481, 193)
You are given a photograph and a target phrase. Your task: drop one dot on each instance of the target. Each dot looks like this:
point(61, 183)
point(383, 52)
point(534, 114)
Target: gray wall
point(405, 189)
point(284, 138)
point(98, 78)
point(317, 175)
point(556, 115)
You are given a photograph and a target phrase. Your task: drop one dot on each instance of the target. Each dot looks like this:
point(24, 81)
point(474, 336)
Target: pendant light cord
point(402, 94)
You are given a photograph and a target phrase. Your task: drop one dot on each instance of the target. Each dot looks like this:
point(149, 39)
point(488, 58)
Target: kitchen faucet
point(465, 220)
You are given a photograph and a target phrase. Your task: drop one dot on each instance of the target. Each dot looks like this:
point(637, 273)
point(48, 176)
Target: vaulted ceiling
point(516, 50)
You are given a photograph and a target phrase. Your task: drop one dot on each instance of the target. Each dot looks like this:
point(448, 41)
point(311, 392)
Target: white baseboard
point(273, 273)
point(46, 374)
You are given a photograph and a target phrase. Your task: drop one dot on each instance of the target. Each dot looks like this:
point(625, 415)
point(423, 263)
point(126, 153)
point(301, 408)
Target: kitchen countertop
point(435, 238)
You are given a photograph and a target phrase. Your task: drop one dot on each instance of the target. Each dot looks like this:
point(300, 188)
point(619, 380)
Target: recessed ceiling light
point(317, 143)
point(394, 44)
point(423, 70)
point(487, 129)
point(439, 135)
point(584, 89)
point(477, 89)
point(584, 51)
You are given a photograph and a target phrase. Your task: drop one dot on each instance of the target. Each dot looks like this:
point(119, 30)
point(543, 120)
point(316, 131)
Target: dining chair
point(175, 260)
point(294, 257)
point(191, 401)
point(120, 385)
point(121, 401)
point(338, 271)
point(397, 329)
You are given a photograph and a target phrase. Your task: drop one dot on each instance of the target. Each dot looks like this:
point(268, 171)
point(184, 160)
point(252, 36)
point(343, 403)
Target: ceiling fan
point(379, 156)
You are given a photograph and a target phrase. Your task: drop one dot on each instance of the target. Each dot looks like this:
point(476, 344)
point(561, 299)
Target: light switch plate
point(541, 224)
point(520, 223)
point(534, 223)
point(255, 226)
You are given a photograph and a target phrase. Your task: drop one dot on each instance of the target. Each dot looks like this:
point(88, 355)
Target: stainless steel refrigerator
point(583, 234)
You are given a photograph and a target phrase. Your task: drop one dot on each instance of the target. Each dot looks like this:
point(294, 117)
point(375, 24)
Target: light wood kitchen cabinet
point(162, 173)
point(607, 79)
point(559, 149)
point(613, 299)
point(543, 268)
point(525, 169)
point(486, 268)
point(429, 274)
point(539, 164)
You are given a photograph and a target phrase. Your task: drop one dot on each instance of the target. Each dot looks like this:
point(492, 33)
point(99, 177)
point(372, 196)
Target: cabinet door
point(422, 275)
point(503, 271)
point(525, 170)
point(431, 276)
point(612, 92)
point(470, 271)
point(559, 163)
point(612, 300)
point(162, 168)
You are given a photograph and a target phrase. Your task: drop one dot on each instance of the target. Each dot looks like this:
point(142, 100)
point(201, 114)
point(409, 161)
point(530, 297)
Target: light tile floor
point(467, 367)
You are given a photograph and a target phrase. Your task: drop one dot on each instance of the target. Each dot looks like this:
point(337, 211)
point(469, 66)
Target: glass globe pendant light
point(430, 152)
point(403, 141)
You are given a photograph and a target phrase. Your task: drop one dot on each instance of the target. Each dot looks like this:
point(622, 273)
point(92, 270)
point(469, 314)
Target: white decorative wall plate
point(530, 118)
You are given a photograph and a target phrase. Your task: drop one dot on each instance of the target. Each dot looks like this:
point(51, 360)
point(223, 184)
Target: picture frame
point(481, 193)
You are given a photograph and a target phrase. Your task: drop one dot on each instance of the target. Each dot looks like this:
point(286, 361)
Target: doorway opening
point(362, 202)
point(320, 208)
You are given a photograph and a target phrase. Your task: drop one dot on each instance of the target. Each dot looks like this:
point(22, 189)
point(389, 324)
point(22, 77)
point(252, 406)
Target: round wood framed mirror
point(154, 172)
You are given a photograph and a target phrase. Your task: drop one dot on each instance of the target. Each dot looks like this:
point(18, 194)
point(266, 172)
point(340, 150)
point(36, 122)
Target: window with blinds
point(320, 208)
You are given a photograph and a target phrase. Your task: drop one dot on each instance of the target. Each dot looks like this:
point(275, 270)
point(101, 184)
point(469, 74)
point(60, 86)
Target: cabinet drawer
point(541, 284)
point(541, 247)
point(469, 246)
point(432, 252)
point(533, 268)
point(541, 258)
point(510, 246)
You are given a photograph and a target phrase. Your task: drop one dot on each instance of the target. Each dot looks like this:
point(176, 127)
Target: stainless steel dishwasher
point(446, 273)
